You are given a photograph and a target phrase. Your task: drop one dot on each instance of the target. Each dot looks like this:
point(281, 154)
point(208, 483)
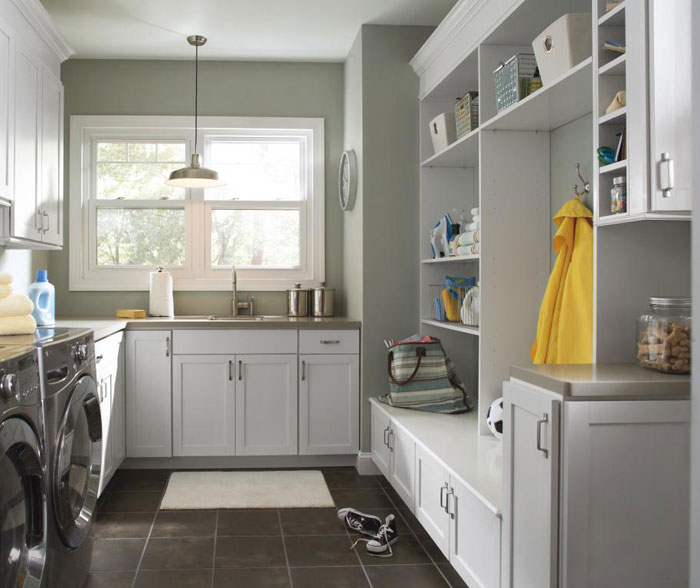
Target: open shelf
point(613, 167)
point(464, 152)
point(614, 18)
point(617, 117)
point(616, 67)
point(452, 326)
point(567, 98)
point(626, 217)
point(452, 258)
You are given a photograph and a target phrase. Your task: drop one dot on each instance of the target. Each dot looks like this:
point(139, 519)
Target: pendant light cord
point(196, 92)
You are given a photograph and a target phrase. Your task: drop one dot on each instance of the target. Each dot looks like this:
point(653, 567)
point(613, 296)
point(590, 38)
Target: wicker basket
point(467, 113)
point(513, 79)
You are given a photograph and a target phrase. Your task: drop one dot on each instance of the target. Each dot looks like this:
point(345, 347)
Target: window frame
point(197, 274)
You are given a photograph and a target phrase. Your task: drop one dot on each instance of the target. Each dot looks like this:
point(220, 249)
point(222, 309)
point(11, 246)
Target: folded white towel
point(17, 325)
point(473, 249)
point(469, 237)
point(475, 211)
point(5, 291)
point(15, 305)
point(476, 218)
point(474, 226)
point(5, 278)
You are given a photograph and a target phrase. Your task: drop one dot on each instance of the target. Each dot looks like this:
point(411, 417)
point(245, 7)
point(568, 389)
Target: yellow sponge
point(131, 313)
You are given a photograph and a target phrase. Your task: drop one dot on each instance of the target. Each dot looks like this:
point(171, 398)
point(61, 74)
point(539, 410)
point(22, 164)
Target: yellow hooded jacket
point(565, 324)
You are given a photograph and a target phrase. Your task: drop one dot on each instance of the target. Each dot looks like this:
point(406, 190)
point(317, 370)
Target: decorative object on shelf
point(467, 113)
point(440, 237)
point(298, 301)
point(433, 386)
point(160, 299)
point(494, 418)
point(585, 184)
point(619, 101)
point(322, 301)
point(347, 180)
point(442, 131)
point(565, 323)
point(606, 155)
point(615, 47)
point(534, 83)
point(664, 336)
point(471, 307)
point(621, 149)
point(195, 176)
point(563, 45)
point(512, 79)
point(618, 195)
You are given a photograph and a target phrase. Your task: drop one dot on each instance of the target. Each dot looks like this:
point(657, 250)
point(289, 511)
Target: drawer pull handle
point(230, 370)
point(389, 438)
point(240, 370)
point(330, 341)
point(386, 436)
point(303, 370)
point(167, 347)
point(449, 511)
point(443, 502)
point(542, 421)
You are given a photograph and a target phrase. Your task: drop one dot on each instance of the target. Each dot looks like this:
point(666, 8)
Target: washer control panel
point(19, 380)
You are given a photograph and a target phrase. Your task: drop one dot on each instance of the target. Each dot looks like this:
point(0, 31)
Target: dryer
point(23, 506)
point(71, 410)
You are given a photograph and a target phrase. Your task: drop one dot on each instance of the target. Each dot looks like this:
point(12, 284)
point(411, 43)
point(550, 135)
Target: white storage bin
point(443, 131)
point(562, 45)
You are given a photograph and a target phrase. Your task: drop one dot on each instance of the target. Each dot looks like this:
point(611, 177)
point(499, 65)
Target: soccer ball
point(494, 418)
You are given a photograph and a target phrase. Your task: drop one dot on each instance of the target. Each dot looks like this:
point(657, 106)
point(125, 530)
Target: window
point(267, 220)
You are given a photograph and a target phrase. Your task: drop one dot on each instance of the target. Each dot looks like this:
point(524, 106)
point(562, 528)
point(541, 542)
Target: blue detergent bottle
point(43, 295)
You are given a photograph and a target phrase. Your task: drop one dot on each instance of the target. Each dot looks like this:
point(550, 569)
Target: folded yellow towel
point(15, 305)
point(5, 278)
point(5, 290)
point(17, 325)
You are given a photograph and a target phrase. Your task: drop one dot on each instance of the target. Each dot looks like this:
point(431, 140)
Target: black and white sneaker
point(359, 522)
point(380, 544)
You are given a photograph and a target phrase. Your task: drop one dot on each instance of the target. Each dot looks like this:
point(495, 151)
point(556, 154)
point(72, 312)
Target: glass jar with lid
point(618, 195)
point(664, 335)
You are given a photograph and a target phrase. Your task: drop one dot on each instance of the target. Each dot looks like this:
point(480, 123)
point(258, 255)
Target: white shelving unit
point(452, 259)
point(459, 328)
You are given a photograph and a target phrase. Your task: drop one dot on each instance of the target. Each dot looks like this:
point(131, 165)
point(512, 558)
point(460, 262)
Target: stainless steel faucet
point(238, 306)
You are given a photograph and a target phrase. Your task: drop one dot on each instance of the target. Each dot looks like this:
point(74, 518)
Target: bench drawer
point(234, 341)
point(337, 341)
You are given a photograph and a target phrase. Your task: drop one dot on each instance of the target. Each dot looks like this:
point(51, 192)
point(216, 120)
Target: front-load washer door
point(22, 506)
point(76, 463)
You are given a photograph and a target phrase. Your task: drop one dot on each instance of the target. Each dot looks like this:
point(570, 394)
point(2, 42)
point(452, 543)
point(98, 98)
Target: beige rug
point(257, 489)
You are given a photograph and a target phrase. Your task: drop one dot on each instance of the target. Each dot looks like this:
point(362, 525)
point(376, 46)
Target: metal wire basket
point(513, 79)
point(446, 302)
point(467, 113)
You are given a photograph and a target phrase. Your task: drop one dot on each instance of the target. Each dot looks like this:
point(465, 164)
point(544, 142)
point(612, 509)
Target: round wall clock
point(347, 180)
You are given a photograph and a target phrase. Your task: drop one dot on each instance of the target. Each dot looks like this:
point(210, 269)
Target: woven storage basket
point(467, 113)
point(512, 79)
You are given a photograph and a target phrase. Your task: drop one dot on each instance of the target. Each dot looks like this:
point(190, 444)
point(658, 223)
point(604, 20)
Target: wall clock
point(347, 180)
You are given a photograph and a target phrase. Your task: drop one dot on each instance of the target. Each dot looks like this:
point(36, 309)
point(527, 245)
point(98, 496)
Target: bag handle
point(420, 353)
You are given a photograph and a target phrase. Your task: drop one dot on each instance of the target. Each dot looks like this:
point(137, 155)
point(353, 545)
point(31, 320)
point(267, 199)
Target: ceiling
point(289, 30)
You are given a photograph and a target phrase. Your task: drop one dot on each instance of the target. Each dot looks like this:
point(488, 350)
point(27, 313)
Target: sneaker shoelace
point(382, 533)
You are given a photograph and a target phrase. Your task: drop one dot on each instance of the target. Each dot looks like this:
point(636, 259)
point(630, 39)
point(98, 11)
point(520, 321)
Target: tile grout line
point(415, 536)
point(359, 559)
point(213, 557)
point(284, 548)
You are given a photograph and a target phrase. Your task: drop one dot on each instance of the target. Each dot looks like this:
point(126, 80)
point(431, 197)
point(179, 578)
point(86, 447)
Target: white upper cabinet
point(51, 145)
point(671, 104)
point(7, 74)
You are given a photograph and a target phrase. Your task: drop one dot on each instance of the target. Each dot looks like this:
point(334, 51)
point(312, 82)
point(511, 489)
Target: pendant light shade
point(194, 175)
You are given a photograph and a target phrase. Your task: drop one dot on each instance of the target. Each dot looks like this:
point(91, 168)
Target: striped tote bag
point(422, 377)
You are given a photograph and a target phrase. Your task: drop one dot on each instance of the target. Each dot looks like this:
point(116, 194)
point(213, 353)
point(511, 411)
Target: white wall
point(23, 265)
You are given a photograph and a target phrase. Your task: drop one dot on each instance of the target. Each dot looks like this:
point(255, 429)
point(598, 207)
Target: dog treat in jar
point(664, 335)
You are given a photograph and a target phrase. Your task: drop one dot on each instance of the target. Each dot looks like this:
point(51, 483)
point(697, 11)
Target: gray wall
point(383, 232)
point(226, 89)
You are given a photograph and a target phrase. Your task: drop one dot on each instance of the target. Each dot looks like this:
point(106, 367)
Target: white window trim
point(85, 276)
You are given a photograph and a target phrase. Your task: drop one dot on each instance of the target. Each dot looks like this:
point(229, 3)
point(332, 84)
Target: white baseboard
point(365, 466)
point(247, 462)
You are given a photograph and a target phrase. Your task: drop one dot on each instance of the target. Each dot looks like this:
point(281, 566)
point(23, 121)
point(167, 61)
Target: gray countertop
point(614, 381)
point(104, 327)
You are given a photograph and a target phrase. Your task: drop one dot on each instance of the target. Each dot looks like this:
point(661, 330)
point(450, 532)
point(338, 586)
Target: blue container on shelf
point(43, 294)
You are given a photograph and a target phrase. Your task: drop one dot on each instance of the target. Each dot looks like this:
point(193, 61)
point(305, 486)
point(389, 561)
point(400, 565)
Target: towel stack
point(15, 310)
point(470, 239)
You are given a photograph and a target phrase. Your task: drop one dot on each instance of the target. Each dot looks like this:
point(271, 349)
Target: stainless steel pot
point(322, 301)
point(298, 301)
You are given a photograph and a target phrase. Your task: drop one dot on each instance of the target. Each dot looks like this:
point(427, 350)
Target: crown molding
point(41, 21)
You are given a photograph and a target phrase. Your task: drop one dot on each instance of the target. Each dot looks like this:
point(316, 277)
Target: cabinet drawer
point(107, 350)
point(339, 341)
point(234, 341)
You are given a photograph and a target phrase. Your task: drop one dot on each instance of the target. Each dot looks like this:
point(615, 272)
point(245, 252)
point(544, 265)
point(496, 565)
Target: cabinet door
point(671, 103)
point(7, 113)
point(432, 486)
point(475, 538)
point(148, 394)
point(204, 405)
point(51, 185)
point(403, 463)
point(329, 404)
point(531, 487)
point(266, 405)
point(381, 454)
point(104, 395)
point(118, 420)
point(25, 220)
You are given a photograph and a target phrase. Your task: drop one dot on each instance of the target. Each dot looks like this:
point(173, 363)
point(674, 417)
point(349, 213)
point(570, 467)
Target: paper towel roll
point(161, 294)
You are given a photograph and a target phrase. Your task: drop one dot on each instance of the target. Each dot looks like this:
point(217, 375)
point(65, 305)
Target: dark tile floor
point(138, 546)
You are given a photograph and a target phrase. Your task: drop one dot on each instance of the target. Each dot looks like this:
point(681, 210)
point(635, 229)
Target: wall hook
point(586, 184)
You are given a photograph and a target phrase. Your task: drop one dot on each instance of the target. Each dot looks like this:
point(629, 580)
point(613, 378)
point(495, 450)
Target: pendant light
point(195, 176)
